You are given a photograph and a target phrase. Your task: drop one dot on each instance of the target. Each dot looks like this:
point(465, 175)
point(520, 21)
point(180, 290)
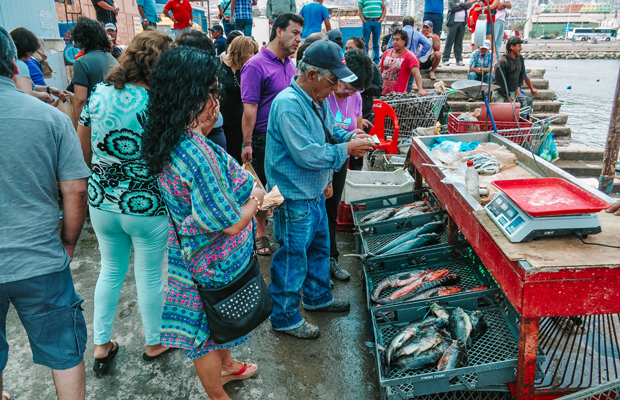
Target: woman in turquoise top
point(126, 208)
point(211, 200)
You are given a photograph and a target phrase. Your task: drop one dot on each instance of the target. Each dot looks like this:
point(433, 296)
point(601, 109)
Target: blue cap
point(326, 54)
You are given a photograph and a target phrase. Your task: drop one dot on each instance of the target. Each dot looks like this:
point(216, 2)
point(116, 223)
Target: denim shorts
point(204, 350)
point(51, 312)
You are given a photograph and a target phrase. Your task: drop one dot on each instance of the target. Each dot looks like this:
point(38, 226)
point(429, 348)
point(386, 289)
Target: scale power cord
point(580, 236)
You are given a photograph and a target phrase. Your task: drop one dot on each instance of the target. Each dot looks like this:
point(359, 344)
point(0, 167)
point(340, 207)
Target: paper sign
point(137, 25)
point(47, 20)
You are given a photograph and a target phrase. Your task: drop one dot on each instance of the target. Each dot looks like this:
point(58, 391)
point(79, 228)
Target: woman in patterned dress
point(126, 208)
point(211, 201)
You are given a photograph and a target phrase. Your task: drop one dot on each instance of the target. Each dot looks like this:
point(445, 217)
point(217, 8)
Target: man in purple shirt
point(262, 78)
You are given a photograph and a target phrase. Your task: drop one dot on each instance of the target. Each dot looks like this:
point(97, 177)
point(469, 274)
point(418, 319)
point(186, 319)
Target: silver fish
point(460, 326)
point(479, 325)
point(428, 357)
point(407, 333)
point(384, 213)
point(453, 357)
point(419, 343)
point(439, 310)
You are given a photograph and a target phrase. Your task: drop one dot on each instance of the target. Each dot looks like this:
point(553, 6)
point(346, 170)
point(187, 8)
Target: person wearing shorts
point(34, 272)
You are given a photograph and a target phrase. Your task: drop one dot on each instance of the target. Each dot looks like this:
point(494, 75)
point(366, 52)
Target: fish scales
point(460, 326)
point(428, 357)
point(384, 213)
point(453, 357)
point(431, 227)
point(445, 280)
point(420, 241)
point(396, 280)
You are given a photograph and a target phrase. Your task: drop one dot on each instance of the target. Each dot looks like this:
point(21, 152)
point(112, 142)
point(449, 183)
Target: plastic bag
point(456, 177)
point(505, 158)
point(446, 151)
point(547, 150)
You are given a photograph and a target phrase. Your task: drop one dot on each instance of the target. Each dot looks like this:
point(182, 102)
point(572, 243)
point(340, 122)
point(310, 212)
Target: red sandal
point(245, 372)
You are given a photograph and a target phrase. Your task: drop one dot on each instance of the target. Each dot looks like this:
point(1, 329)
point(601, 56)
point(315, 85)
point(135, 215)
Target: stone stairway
point(575, 157)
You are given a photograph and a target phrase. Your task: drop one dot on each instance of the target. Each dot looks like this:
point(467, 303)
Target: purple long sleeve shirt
point(262, 78)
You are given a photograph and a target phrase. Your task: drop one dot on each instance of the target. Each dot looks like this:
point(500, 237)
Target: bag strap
point(225, 8)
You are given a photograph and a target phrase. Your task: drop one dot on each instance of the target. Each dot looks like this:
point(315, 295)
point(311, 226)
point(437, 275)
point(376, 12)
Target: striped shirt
point(371, 8)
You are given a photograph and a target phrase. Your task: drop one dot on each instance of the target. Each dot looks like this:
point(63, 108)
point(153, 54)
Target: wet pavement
point(338, 365)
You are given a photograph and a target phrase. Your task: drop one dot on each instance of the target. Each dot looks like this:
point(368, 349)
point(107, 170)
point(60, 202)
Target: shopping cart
point(415, 112)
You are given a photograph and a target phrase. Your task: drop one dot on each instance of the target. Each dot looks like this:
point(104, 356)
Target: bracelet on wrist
point(47, 89)
point(247, 144)
point(258, 203)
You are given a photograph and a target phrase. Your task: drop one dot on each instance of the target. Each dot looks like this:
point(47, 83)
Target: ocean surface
point(587, 88)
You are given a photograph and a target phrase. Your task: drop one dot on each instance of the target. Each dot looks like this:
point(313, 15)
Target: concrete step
point(561, 131)
point(456, 71)
point(540, 84)
point(575, 151)
point(542, 95)
point(580, 168)
point(550, 107)
point(558, 119)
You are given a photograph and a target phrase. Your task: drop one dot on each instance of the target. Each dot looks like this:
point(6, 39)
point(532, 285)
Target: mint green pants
point(116, 234)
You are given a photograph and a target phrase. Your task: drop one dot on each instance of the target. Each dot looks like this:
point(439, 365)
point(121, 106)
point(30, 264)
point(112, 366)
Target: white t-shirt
point(459, 16)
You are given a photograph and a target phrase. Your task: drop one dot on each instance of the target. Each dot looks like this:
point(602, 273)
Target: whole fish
point(441, 281)
point(422, 341)
point(479, 325)
point(438, 291)
point(379, 215)
point(410, 213)
point(428, 357)
point(407, 333)
point(440, 310)
point(396, 280)
point(420, 241)
point(431, 227)
point(460, 326)
point(453, 357)
point(411, 288)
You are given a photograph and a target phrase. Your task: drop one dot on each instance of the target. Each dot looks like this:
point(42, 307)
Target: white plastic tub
point(360, 184)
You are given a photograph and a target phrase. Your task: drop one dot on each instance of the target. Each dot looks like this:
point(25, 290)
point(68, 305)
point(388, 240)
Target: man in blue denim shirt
point(304, 147)
point(416, 39)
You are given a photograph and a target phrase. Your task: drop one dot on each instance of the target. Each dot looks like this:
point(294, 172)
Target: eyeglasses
point(332, 82)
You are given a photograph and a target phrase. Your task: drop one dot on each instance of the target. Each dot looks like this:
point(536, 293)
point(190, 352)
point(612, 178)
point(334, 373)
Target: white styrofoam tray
point(360, 184)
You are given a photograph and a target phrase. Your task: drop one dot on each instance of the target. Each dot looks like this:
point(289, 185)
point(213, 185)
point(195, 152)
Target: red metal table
point(533, 293)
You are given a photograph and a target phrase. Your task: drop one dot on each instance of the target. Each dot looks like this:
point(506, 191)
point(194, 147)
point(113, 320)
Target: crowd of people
point(163, 134)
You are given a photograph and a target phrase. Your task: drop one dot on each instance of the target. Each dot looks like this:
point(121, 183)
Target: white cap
point(486, 45)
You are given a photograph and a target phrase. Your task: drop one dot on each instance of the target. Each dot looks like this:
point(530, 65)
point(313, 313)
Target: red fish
point(431, 276)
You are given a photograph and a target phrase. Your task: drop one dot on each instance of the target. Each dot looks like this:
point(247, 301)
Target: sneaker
point(431, 75)
point(307, 331)
point(336, 306)
point(337, 271)
point(445, 63)
point(460, 63)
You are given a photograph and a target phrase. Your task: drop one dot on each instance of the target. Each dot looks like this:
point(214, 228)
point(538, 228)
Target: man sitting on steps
point(432, 58)
point(480, 63)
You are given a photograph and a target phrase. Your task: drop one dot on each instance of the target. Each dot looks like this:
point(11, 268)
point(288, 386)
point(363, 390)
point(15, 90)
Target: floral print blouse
point(120, 181)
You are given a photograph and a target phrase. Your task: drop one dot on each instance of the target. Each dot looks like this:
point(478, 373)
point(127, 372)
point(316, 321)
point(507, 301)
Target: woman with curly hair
point(94, 65)
point(211, 203)
point(240, 51)
point(346, 105)
point(125, 204)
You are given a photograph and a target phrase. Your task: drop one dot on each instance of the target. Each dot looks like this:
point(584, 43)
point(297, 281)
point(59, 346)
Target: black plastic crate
point(361, 208)
point(374, 237)
point(492, 360)
point(459, 259)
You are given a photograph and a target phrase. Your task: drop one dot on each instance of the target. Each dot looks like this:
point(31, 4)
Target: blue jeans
point(375, 28)
point(474, 76)
point(499, 35)
point(178, 32)
point(301, 264)
point(244, 25)
point(228, 27)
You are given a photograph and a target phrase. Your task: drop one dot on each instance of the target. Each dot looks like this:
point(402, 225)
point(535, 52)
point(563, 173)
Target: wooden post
point(606, 180)
point(453, 231)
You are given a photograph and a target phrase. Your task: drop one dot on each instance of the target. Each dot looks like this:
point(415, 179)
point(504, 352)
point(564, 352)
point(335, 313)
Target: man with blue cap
point(304, 147)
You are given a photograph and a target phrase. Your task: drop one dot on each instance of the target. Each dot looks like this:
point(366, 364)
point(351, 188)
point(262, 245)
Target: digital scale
point(526, 209)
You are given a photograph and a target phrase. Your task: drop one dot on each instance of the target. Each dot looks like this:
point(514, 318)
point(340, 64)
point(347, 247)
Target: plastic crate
point(373, 237)
point(508, 129)
point(344, 220)
point(392, 162)
point(360, 184)
point(361, 208)
point(492, 360)
point(493, 392)
point(459, 259)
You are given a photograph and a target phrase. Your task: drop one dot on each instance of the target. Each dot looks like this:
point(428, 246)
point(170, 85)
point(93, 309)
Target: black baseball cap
point(326, 54)
point(217, 28)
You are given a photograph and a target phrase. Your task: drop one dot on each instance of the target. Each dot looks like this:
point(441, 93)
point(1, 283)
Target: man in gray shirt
point(275, 8)
point(39, 149)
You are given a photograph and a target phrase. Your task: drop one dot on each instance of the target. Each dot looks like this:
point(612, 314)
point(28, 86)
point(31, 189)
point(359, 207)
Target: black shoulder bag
point(235, 309)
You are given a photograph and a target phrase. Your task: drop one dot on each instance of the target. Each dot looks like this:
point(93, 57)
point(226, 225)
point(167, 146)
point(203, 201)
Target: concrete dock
point(338, 365)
